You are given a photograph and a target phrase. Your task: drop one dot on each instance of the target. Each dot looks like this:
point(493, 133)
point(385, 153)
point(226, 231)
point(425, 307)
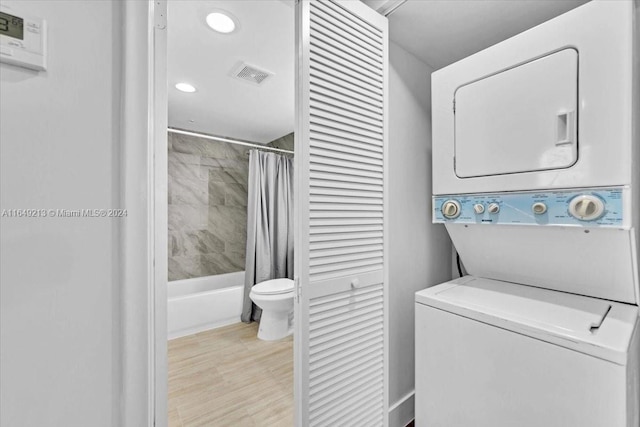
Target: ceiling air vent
point(251, 74)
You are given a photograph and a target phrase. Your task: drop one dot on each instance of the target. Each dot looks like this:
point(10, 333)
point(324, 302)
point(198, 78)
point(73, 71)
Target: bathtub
point(203, 303)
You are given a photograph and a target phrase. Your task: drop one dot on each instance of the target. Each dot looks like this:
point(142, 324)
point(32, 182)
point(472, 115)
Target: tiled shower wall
point(284, 143)
point(207, 207)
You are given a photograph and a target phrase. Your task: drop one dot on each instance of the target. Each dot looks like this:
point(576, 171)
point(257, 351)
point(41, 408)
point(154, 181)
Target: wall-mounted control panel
point(23, 40)
point(593, 207)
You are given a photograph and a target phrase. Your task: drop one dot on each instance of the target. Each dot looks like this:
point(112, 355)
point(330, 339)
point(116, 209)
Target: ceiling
point(441, 32)
point(222, 104)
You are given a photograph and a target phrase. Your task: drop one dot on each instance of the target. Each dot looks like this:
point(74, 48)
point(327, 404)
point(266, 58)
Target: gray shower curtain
point(269, 224)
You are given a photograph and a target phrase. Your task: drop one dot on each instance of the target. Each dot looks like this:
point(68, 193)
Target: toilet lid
point(274, 286)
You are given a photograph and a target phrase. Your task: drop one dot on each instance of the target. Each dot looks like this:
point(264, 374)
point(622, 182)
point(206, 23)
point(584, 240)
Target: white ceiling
point(441, 32)
point(223, 105)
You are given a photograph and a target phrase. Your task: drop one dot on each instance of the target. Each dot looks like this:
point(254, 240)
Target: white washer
point(495, 354)
point(536, 177)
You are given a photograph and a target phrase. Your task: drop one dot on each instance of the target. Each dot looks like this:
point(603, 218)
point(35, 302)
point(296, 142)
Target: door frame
point(142, 318)
point(143, 368)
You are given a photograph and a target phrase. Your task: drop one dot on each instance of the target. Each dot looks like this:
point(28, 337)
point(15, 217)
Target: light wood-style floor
point(227, 377)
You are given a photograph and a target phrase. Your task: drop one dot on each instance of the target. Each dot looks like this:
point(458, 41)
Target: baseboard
point(180, 333)
point(402, 412)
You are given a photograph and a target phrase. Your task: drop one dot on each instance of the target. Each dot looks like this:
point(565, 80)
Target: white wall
point(420, 252)
point(59, 134)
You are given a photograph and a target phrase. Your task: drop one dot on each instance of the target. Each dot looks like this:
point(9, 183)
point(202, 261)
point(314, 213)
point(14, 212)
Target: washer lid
point(273, 287)
point(592, 326)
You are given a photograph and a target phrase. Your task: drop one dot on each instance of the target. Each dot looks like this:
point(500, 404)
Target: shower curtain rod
point(231, 141)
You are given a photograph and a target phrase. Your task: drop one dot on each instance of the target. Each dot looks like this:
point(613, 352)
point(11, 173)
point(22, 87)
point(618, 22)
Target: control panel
point(23, 39)
point(587, 207)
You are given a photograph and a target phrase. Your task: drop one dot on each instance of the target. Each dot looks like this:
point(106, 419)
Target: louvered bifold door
point(341, 279)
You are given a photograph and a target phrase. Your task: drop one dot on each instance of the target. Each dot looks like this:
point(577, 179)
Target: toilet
point(275, 298)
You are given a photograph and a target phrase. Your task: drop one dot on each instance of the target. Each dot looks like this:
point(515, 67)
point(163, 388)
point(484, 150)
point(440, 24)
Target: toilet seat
point(273, 287)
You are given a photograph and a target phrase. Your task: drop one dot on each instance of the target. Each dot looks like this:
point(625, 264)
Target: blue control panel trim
point(516, 208)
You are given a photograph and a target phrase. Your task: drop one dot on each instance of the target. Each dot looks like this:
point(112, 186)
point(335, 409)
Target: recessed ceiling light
point(185, 87)
point(221, 22)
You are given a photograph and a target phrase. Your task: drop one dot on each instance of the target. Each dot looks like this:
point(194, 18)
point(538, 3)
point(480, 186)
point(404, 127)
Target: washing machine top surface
point(592, 326)
point(273, 287)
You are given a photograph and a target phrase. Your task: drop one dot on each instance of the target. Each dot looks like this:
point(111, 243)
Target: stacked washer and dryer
point(536, 176)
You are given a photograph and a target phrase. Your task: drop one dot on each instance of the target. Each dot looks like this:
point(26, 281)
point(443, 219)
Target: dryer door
point(522, 119)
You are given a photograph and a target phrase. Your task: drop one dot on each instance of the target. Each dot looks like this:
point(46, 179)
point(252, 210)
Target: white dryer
point(536, 176)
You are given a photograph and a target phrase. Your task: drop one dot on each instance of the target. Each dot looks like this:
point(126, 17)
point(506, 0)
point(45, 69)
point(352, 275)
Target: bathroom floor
point(227, 377)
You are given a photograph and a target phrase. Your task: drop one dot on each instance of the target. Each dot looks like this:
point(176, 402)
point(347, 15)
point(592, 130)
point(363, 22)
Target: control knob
point(450, 209)
point(494, 208)
point(539, 208)
point(586, 207)
point(478, 208)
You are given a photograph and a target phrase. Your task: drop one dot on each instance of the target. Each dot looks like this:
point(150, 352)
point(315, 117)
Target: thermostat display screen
point(11, 26)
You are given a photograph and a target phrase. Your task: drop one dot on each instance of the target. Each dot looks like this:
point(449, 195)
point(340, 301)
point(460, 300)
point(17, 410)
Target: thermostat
point(23, 40)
